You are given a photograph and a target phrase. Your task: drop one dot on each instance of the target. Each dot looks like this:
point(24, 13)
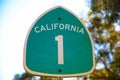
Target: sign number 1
point(59, 39)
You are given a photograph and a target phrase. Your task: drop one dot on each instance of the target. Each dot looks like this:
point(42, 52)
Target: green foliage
point(26, 76)
point(103, 15)
point(115, 64)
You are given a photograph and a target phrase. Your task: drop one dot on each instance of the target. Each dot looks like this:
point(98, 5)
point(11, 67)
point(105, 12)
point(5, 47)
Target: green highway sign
point(58, 45)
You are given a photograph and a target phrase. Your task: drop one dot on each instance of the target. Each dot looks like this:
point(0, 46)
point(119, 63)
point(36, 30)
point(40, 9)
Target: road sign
point(58, 45)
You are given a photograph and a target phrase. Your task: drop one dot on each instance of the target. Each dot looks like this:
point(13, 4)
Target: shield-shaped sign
point(59, 45)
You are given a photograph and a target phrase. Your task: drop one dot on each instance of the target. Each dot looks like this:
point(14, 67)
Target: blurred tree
point(48, 78)
point(26, 76)
point(17, 77)
point(103, 16)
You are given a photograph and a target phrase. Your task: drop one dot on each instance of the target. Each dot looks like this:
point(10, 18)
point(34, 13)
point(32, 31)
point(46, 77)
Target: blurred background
point(101, 17)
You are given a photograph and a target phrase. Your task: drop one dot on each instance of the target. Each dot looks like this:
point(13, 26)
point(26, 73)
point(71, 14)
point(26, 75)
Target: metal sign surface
point(59, 45)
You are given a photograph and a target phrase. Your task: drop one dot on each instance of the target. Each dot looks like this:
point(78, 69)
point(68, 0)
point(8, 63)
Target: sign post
point(58, 45)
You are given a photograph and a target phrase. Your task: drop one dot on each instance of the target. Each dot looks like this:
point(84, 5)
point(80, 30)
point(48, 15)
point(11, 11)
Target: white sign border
point(56, 75)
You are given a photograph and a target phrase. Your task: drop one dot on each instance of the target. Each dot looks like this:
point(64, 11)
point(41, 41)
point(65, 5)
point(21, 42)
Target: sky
point(16, 17)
